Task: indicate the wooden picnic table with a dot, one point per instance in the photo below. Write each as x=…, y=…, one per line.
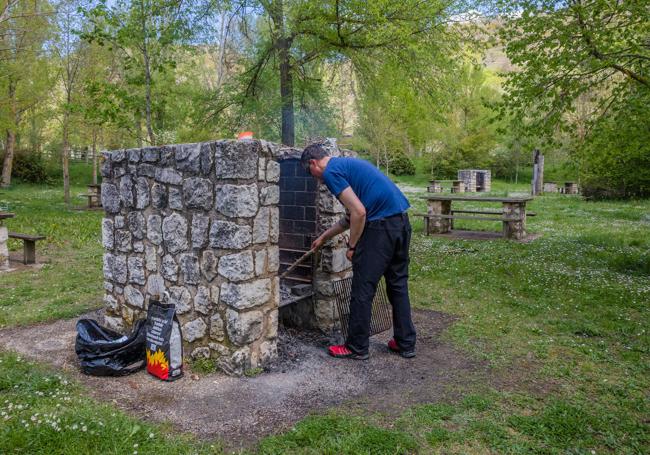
x=440, y=215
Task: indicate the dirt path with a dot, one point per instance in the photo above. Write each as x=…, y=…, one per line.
x=239, y=411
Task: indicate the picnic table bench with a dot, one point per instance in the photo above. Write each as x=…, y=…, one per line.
x=440, y=215
x=29, y=245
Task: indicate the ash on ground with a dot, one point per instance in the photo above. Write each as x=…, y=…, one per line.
x=295, y=344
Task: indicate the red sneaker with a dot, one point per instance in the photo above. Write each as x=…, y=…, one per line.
x=392, y=345
x=341, y=351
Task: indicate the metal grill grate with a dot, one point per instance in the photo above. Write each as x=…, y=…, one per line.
x=381, y=319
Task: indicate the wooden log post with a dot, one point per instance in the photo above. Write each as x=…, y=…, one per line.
x=538, y=173
x=514, y=224
x=438, y=225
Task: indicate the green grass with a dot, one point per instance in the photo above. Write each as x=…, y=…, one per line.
x=44, y=413
x=70, y=282
x=336, y=434
x=563, y=323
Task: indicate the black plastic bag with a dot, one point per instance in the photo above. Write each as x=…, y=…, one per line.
x=164, y=348
x=104, y=352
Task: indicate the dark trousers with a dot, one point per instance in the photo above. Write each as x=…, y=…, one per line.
x=382, y=250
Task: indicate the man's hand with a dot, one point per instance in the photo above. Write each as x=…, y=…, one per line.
x=349, y=254
x=318, y=242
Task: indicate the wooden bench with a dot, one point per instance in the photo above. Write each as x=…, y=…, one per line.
x=29, y=246
x=453, y=217
x=488, y=212
x=441, y=213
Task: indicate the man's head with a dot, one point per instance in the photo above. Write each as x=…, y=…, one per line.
x=314, y=159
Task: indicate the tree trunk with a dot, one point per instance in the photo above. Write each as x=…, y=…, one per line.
x=7, y=165
x=222, y=50
x=286, y=93
x=10, y=147
x=386, y=158
x=65, y=159
x=95, y=156
x=517, y=172
x=283, y=44
x=147, y=77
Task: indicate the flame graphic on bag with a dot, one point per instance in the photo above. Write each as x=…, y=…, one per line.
x=157, y=364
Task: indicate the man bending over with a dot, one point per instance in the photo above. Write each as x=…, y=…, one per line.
x=380, y=234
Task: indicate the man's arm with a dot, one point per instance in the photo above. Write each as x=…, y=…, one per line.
x=342, y=226
x=357, y=214
x=354, y=219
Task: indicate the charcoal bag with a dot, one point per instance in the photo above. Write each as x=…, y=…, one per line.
x=104, y=352
x=164, y=343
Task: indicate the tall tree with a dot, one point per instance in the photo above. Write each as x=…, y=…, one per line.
x=293, y=35
x=24, y=28
x=146, y=34
x=574, y=48
x=584, y=72
x=72, y=53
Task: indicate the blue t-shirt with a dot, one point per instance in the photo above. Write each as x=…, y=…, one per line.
x=378, y=194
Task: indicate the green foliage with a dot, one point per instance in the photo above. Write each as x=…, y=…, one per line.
x=399, y=164
x=400, y=102
x=615, y=161
x=297, y=39
x=203, y=365
x=567, y=50
x=468, y=137
x=144, y=36
x=583, y=79
x=30, y=167
x=252, y=372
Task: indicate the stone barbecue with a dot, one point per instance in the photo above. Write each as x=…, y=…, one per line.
x=476, y=180
x=208, y=227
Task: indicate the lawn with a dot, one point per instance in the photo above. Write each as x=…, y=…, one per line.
x=563, y=323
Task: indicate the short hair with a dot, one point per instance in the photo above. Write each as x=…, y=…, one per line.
x=315, y=151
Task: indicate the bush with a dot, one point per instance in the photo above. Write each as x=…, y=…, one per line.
x=29, y=167
x=615, y=162
x=400, y=164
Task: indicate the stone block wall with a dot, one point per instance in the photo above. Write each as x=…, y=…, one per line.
x=198, y=226
x=470, y=178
